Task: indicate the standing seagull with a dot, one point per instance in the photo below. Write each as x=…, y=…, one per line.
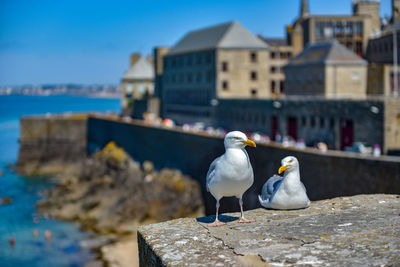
x=286, y=192
x=231, y=174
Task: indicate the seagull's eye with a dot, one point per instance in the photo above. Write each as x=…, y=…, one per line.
x=236, y=138
x=290, y=161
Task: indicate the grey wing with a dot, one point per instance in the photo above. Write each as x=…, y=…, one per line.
x=271, y=186
x=211, y=171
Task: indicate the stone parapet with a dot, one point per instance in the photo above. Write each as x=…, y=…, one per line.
x=347, y=231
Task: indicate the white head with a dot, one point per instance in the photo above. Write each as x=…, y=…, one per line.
x=237, y=139
x=289, y=164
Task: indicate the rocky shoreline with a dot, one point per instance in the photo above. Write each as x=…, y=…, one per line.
x=112, y=195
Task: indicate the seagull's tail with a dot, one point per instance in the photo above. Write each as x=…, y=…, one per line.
x=263, y=202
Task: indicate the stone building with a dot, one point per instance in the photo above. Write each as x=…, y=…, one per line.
x=337, y=122
x=137, y=82
x=380, y=55
x=326, y=69
x=223, y=61
x=280, y=53
x=353, y=31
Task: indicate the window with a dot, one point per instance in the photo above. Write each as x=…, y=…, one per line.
x=253, y=76
x=198, y=77
x=189, y=60
x=328, y=30
x=358, y=28
x=189, y=78
x=141, y=88
x=208, y=57
x=332, y=123
x=253, y=92
x=320, y=77
x=319, y=29
x=312, y=122
x=199, y=59
x=339, y=29
x=303, y=121
x=298, y=78
x=253, y=57
x=224, y=66
x=273, y=69
x=272, y=87
x=272, y=55
x=209, y=76
x=225, y=86
x=355, y=76
x=321, y=122
x=129, y=88
x=282, y=86
x=349, y=29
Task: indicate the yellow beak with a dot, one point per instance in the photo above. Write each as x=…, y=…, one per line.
x=249, y=142
x=283, y=168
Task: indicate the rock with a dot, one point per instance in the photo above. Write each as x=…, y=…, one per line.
x=6, y=200
x=108, y=194
x=94, y=243
x=148, y=167
x=121, y=254
x=345, y=231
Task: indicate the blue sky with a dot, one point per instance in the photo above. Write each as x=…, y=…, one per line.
x=78, y=41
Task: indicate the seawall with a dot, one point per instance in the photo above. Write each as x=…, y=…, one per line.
x=55, y=138
x=325, y=174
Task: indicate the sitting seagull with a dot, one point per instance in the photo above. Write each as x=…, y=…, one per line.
x=231, y=174
x=286, y=192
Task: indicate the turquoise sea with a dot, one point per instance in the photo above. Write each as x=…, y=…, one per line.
x=17, y=218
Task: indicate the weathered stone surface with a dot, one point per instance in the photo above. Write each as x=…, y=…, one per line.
x=363, y=230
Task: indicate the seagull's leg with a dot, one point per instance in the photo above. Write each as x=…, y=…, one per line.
x=242, y=218
x=216, y=223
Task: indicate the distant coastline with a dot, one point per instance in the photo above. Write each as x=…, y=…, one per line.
x=95, y=90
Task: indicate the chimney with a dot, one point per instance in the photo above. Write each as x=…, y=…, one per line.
x=395, y=10
x=134, y=58
x=304, y=12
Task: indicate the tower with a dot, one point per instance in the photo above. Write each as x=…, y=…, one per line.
x=304, y=12
x=395, y=10
x=368, y=8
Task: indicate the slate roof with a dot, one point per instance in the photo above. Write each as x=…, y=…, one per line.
x=329, y=53
x=274, y=41
x=227, y=35
x=141, y=70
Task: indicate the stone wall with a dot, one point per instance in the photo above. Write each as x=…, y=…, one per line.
x=317, y=120
x=46, y=139
x=350, y=231
x=346, y=80
x=325, y=175
x=237, y=75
